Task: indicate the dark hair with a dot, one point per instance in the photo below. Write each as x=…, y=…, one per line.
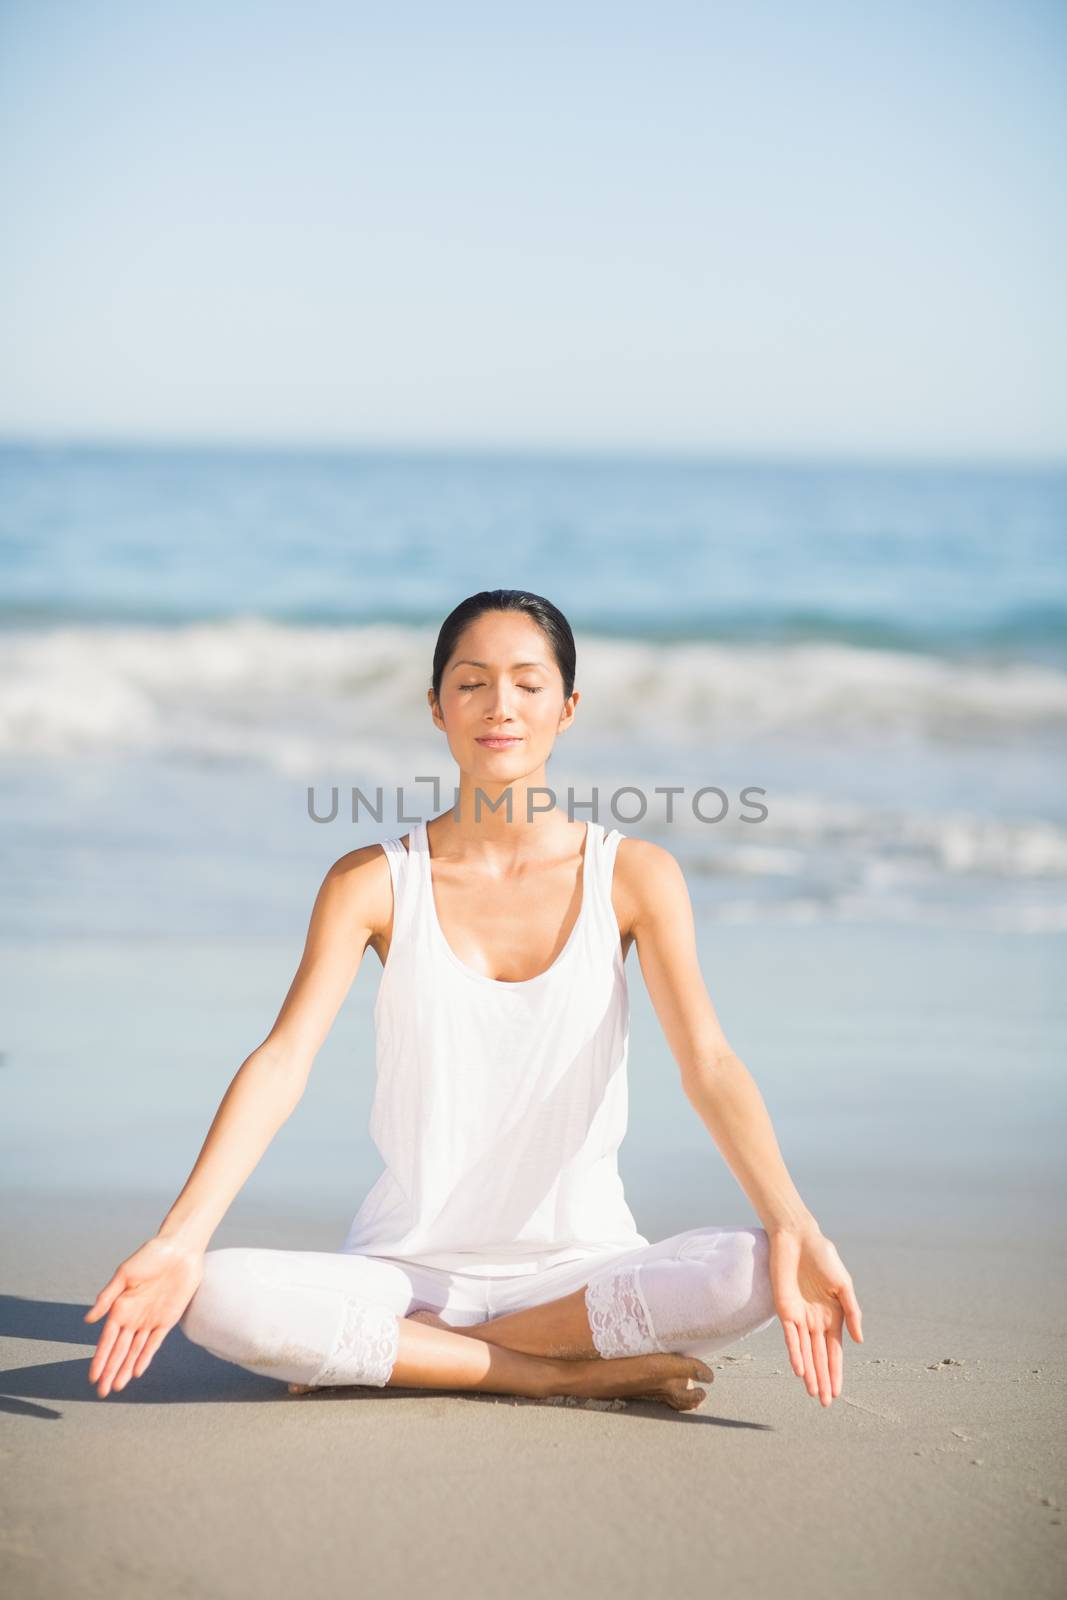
x=548, y=618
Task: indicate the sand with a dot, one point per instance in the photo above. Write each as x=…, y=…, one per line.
x=939, y=1470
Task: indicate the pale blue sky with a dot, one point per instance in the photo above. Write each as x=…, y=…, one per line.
x=792, y=228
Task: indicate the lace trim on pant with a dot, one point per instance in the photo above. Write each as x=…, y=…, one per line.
x=365, y=1349
x=618, y=1316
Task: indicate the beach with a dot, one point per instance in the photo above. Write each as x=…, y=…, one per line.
x=884, y=949
x=921, y=1115
x=939, y=1471
x=712, y=366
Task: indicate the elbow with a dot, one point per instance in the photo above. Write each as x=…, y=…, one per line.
x=287, y=1072
x=704, y=1070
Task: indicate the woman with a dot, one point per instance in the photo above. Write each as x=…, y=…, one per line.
x=496, y=1251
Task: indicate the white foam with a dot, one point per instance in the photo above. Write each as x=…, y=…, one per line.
x=249, y=687
x=298, y=699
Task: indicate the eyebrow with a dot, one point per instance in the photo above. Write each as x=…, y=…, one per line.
x=517, y=666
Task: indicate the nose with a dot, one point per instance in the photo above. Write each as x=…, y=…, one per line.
x=500, y=704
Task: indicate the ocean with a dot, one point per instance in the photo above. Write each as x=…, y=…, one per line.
x=192, y=640
x=198, y=647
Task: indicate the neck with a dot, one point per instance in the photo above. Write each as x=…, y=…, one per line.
x=503, y=813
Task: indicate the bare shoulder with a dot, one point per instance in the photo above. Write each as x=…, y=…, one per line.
x=649, y=882
x=353, y=860
x=358, y=887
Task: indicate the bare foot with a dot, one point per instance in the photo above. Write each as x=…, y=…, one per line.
x=300, y=1388
x=683, y=1394
x=667, y=1378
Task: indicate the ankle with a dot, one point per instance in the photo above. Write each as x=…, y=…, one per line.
x=561, y=1376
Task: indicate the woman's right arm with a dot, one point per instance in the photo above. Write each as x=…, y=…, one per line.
x=148, y=1293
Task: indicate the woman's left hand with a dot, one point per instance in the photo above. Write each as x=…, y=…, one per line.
x=813, y=1295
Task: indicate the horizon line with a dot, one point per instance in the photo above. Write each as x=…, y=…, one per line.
x=258, y=444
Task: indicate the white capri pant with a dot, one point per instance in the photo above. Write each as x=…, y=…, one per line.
x=330, y=1318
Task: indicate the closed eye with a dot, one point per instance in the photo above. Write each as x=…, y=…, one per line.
x=528, y=687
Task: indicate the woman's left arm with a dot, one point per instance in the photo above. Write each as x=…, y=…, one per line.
x=813, y=1291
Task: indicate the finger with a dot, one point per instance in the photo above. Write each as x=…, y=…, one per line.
x=822, y=1365
x=836, y=1359
x=792, y=1344
x=809, y=1363
x=853, y=1314
x=115, y=1360
x=106, y=1343
x=106, y=1298
x=125, y=1372
x=155, y=1339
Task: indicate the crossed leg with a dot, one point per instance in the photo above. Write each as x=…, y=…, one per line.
x=323, y=1319
x=694, y=1293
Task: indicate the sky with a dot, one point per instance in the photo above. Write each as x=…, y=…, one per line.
x=802, y=229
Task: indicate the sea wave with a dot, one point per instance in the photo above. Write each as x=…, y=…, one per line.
x=251, y=689
x=882, y=848
x=1034, y=631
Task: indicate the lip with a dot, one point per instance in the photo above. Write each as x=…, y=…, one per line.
x=503, y=742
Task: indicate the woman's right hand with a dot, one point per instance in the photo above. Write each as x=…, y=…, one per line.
x=145, y=1297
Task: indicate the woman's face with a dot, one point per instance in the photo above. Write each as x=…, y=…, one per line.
x=502, y=680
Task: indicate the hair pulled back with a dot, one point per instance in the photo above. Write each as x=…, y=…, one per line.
x=548, y=618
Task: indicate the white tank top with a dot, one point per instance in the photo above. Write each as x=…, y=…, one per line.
x=498, y=1107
